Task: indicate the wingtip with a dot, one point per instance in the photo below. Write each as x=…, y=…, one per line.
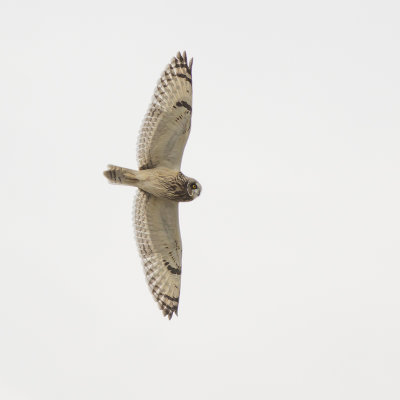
x=182, y=57
x=171, y=314
x=167, y=311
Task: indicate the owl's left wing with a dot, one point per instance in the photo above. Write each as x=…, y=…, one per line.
x=166, y=126
x=158, y=237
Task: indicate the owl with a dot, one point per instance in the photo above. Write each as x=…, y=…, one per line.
x=161, y=185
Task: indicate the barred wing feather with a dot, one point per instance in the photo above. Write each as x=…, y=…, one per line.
x=159, y=242
x=166, y=126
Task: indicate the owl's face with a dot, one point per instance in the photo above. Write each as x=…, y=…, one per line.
x=193, y=188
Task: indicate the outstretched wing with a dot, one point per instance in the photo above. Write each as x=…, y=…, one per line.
x=158, y=237
x=166, y=126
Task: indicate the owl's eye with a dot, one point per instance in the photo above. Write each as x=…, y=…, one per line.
x=194, y=186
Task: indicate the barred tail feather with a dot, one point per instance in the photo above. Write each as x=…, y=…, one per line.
x=121, y=176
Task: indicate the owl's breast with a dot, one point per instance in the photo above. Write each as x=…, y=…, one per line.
x=165, y=183
x=175, y=186
x=177, y=191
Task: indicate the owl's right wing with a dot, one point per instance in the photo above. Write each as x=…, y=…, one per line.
x=158, y=237
x=166, y=126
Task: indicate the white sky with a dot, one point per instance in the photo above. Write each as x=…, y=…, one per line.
x=290, y=285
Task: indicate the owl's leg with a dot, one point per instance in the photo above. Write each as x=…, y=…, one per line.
x=121, y=176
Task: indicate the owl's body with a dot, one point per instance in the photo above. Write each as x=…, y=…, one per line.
x=161, y=185
x=160, y=182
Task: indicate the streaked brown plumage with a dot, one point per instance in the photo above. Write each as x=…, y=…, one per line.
x=162, y=186
x=160, y=181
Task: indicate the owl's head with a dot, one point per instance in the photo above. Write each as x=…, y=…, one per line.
x=193, y=188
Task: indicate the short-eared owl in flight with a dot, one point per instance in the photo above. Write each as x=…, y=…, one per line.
x=161, y=185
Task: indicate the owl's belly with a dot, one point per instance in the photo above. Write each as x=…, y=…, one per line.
x=165, y=183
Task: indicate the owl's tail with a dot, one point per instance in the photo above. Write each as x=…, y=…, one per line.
x=121, y=176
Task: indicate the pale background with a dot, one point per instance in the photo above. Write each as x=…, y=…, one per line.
x=290, y=286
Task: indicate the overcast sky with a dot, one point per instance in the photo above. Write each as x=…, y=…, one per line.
x=290, y=285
